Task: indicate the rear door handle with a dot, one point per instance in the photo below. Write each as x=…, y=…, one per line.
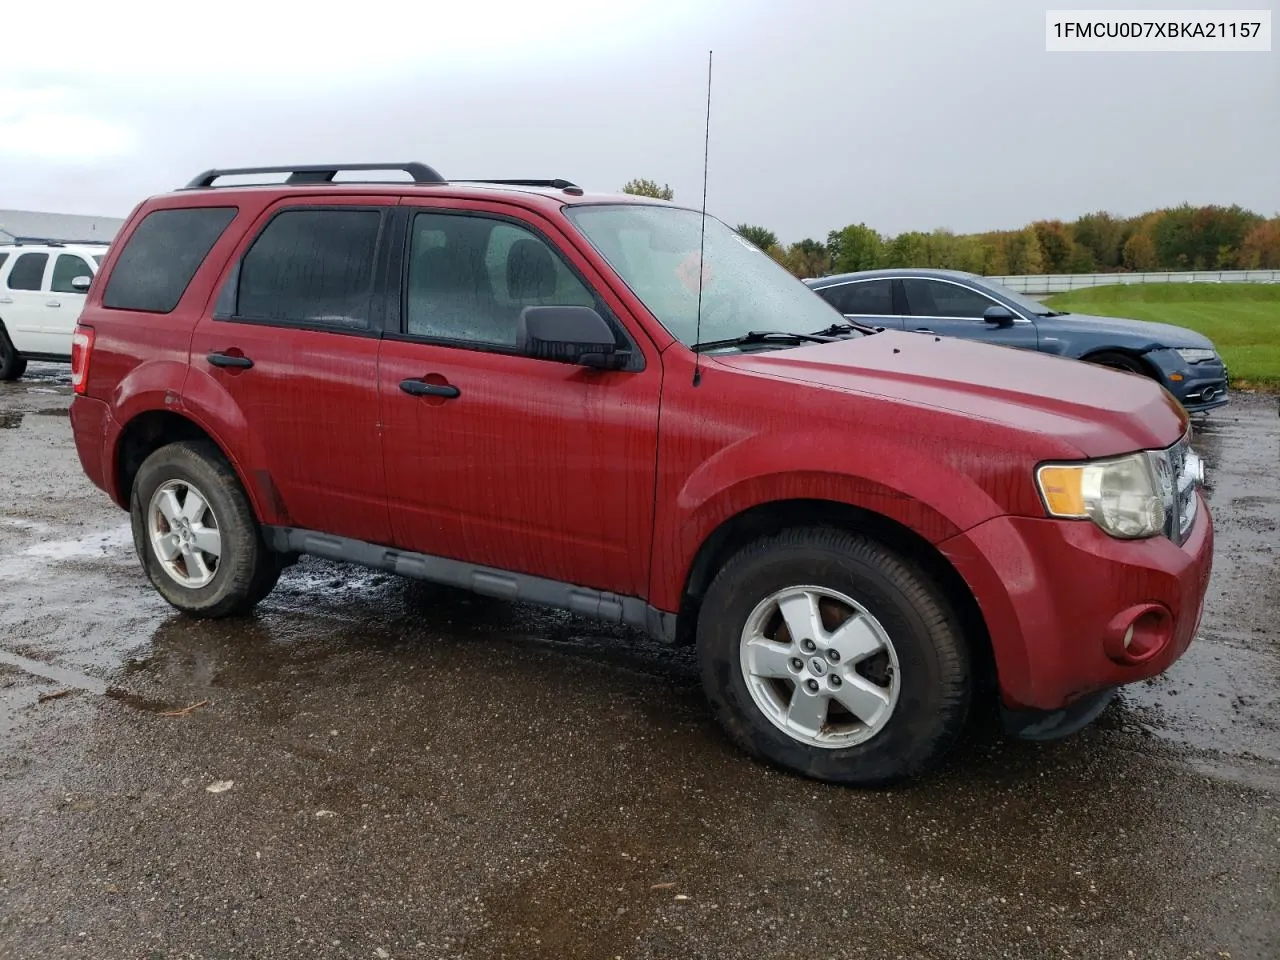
x=923, y=330
x=6, y=299
x=226, y=360
x=418, y=388
x=53, y=303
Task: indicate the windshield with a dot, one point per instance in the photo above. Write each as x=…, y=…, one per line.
x=655, y=250
x=1029, y=304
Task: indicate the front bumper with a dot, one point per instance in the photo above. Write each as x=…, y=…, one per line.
x=1057, y=595
x=1197, y=386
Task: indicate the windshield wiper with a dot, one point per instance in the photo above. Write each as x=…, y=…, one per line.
x=836, y=329
x=762, y=336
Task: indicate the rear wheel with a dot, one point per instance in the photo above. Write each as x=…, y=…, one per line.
x=828, y=654
x=12, y=364
x=196, y=535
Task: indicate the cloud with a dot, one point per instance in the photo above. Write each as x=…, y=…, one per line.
x=47, y=124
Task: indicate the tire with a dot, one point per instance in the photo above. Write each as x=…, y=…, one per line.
x=12, y=364
x=244, y=569
x=921, y=673
x=1120, y=361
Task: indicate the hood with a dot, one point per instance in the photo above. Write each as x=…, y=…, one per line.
x=1137, y=333
x=1092, y=410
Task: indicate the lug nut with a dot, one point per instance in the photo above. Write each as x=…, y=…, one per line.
x=808, y=646
x=835, y=680
x=812, y=685
x=797, y=664
x=833, y=656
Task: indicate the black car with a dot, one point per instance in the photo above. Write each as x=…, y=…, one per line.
x=955, y=304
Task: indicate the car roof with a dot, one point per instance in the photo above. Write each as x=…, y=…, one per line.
x=529, y=194
x=93, y=248
x=893, y=272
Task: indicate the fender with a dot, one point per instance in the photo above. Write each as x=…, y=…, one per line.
x=909, y=485
x=200, y=399
x=153, y=385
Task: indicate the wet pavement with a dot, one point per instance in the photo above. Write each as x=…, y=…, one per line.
x=418, y=773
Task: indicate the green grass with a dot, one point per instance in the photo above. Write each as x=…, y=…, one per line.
x=1242, y=319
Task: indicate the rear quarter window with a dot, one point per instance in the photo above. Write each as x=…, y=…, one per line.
x=162, y=255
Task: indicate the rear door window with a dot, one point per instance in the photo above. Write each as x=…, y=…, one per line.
x=868, y=298
x=310, y=267
x=28, y=271
x=162, y=255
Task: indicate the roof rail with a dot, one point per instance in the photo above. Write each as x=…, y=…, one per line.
x=53, y=242
x=565, y=185
x=318, y=173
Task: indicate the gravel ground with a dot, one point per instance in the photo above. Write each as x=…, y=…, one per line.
x=416, y=773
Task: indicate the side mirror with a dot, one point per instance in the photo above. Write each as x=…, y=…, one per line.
x=998, y=316
x=81, y=283
x=576, y=335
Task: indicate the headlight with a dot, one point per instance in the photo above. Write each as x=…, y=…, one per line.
x=1196, y=354
x=1121, y=496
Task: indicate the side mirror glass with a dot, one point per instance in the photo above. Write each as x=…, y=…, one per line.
x=81, y=283
x=999, y=316
x=576, y=335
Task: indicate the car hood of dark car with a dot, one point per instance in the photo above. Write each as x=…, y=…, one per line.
x=1097, y=411
x=1121, y=331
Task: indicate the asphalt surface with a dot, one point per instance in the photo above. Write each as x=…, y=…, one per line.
x=416, y=773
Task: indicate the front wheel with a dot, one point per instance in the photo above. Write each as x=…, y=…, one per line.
x=196, y=535
x=1119, y=361
x=828, y=654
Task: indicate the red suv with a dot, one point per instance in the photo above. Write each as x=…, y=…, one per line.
x=617, y=406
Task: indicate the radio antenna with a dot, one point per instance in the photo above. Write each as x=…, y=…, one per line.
x=702, y=239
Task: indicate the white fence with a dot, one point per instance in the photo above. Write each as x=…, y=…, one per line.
x=1060, y=282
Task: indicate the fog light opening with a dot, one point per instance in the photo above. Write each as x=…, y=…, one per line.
x=1139, y=634
x=1145, y=636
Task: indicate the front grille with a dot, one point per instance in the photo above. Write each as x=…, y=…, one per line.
x=1178, y=471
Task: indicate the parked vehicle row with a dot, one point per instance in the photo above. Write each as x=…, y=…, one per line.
x=618, y=406
x=955, y=304
x=42, y=290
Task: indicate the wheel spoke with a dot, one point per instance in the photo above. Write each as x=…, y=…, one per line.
x=768, y=659
x=856, y=640
x=193, y=506
x=862, y=698
x=807, y=711
x=208, y=540
x=170, y=509
x=167, y=546
x=197, y=569
x=800, y=611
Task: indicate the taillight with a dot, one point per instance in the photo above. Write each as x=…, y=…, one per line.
x=81, y=348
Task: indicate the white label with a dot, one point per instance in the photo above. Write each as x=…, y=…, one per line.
x=1158, y=31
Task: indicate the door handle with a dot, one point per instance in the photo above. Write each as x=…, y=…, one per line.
x=53, y=303
x=923, y=330
x=418, y=388
x=6, y=299
x=227, y=360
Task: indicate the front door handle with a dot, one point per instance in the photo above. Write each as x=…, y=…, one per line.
x=227, y=360
x=418, y=388
x=6, y=299
x=923, y=330
x=53, y=303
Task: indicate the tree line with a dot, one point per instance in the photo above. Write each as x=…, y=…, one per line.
x=1174, y=238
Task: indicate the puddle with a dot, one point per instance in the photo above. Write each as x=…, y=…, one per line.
x=10, y=419
x=26, y=564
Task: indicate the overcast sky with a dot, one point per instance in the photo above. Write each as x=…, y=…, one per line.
x=905, y=114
